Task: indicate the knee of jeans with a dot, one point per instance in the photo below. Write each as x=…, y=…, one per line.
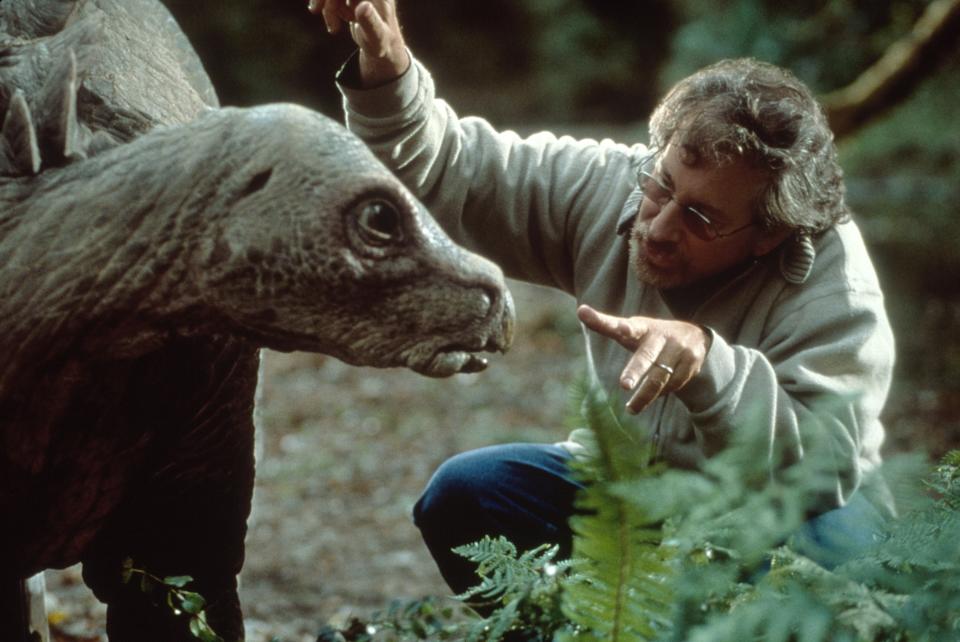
x=452, y=490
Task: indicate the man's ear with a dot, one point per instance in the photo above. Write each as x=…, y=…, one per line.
x=769, y=240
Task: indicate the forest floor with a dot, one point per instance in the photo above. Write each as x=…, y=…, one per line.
x=346, y=451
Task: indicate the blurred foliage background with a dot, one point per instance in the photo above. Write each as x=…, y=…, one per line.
x=596, y=67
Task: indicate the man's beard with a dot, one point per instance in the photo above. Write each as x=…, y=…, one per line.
x=678, y=275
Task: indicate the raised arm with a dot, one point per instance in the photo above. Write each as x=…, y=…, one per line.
x=536, y=206
x=375, y=29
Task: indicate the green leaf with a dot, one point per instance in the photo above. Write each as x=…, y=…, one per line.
x=178, y=581
x=202, y=631
x=191, y=602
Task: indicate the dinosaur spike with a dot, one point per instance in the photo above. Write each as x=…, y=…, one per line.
x=21, y=154
x=59, y=131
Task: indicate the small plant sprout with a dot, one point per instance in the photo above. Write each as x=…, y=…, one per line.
x=172, y=591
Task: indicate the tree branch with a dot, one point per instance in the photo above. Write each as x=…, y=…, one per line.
x=898, y=72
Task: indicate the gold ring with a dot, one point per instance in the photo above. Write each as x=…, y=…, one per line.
x=665, y=368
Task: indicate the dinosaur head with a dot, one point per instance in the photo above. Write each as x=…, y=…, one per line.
x=171, y=215
x=318, y=247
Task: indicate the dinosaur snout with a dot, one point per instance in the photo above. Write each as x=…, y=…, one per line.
x=500, y=318
x=502, y=337
x=480, y=305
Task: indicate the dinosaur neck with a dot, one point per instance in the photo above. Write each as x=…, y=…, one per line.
x=106, y=247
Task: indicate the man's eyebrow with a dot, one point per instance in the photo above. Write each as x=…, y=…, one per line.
x=711, y=212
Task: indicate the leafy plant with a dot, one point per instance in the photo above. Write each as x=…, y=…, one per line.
x=171, y=590
x=429, y=618
x=625, y=589
x=520, y=590
x=524, y=587
x=706, y=556
x=730, y=568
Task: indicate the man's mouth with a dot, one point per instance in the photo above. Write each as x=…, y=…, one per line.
x=661, y=256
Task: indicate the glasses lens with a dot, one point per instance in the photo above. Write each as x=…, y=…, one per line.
x=653, y=189
x=645, y=182
x=698, y=225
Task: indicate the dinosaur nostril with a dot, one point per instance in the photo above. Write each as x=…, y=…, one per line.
x=486, y=302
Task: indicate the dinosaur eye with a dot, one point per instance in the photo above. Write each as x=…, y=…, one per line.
x=379, y=222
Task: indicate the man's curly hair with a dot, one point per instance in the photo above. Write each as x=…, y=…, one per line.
x=751, y=110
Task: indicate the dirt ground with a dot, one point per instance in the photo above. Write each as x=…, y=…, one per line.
x=345, y=454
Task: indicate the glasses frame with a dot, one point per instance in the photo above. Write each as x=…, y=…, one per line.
x=701, y=220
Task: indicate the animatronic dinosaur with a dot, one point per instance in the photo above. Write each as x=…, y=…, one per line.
x=150, y=244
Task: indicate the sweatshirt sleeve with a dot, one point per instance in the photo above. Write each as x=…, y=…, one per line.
x=528, y=204
x=815, y=387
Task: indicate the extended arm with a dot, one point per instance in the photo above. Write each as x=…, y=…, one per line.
x=795, y=372
x=533, y=205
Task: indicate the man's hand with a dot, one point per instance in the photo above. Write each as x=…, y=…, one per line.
x=666, y=354
x=374, y=27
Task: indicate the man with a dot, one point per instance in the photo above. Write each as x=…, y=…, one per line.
x=718, y=274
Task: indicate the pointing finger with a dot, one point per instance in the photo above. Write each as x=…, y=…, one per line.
x=627, y=333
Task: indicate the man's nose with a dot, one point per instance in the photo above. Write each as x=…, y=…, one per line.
x=666, y=223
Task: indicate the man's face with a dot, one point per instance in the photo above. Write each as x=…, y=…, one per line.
x=663, y=250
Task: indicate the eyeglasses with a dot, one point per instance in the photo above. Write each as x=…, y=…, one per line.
x=698, y=223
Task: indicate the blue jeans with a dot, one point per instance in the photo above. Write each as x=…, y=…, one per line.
x=525, y=492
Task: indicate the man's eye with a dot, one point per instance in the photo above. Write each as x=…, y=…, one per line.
x=700, y=215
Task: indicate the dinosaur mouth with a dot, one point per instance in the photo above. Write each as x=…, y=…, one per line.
x=450, y=362
x=463, y=357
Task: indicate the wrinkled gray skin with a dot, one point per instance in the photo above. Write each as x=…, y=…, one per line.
x=150, y=244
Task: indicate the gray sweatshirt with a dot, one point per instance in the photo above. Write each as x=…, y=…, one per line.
x=799, y=351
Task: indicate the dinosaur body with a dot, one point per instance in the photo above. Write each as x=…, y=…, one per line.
x=150, y=244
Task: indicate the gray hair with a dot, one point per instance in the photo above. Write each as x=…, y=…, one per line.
x=761, y=113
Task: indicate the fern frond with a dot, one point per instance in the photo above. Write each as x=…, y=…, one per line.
x=902, y=588
x=912, y=572
x=945, y=481
x=504, y=573
x=787, y=616
x=524, y=587
x=625, y=592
